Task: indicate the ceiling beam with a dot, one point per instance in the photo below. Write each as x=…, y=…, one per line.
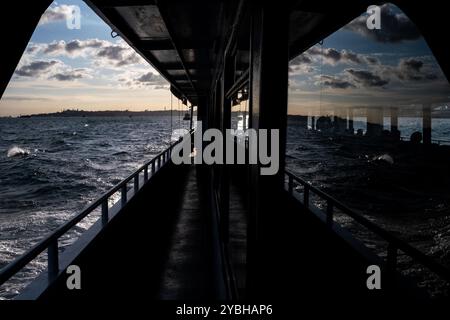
x=178, y=66
x=164, y=16
x=167, y=44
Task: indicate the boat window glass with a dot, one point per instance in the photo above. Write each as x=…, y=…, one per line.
x=369, y=123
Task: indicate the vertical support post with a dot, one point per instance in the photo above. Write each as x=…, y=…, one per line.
x=146, y=174
x=136, y=183
x=224, y=107
x=124, y=195
x=105, y=217
x=306, y=195
x=351, y=128
x=374, y=121
x=394, y=119
x=192, y=118
x=268, y=88
x=153, y=167
x=426, y=124
x=395, y=133
x=313, y=123
x=53, y=259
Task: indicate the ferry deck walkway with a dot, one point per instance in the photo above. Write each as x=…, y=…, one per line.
x=160, y=245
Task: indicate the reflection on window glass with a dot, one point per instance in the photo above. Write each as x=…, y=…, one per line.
x=369, y=123
x=239, y=111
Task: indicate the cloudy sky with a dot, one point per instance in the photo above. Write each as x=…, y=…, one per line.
x=85, y=69
x=358, y=67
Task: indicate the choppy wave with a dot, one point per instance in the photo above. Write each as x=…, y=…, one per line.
x=17, y=152
x=69, y=163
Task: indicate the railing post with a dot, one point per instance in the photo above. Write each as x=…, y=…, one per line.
x=146, y=173
x=124, y=194
x=136, y=183
x=105, y=217
x=329, y=212
x=153, y=167
x=291, y=184
x=53, y=259
x=306, y=195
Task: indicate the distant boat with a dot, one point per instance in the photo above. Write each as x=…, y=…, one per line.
x=187, y=116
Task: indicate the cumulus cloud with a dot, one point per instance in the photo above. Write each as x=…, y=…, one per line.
x=304, y=62
x=51, y=69
x=334, y=82
x=118, y=55
x=71, y=75
x=73, y=48
x=407, y=69
x=102, y=53
x=98, y=55
x=36, y=68
x=67, y=76
x=135, y=80
x=56, y=14
x=395, y=27
x=150, y=78
x=412, y=69
x=366, y=78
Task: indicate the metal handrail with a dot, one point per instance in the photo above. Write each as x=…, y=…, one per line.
x=394, y=243
x=50, y=242
x=437, y=141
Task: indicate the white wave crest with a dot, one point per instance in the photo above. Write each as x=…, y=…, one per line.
x=17, y=151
